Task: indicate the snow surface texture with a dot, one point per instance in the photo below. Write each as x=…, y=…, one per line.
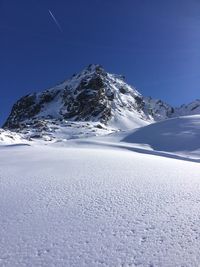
x=89, y=206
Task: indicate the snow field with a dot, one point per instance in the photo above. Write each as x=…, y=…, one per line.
x=90, y=206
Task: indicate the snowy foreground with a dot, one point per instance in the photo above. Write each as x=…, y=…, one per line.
x=93, y=205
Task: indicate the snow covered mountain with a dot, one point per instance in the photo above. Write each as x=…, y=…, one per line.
x=92, y=95
x=192, y=108
x=92, y=102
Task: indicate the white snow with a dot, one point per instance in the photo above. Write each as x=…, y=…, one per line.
x=7, y=137
x=99, y=202
x=180, y=136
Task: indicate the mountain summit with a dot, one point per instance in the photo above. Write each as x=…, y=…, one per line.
x=92, y=95
x=91, y=98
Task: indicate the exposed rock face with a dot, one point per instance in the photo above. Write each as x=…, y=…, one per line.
x=26, y=108
x=88, y=100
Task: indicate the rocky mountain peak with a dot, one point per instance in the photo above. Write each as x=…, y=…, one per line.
x=91, y=99
x=91, y=95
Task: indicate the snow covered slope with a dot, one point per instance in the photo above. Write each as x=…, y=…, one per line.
x=179, y=135
x=8, y=137
x=89, y=206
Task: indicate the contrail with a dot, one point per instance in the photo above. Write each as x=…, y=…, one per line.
x=55, y=20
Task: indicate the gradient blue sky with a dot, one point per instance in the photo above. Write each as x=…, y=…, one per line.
x=154, y=43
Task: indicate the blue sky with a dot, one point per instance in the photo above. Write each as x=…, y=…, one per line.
x=155, y=44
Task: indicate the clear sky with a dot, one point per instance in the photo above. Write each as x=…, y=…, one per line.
x=154, y=43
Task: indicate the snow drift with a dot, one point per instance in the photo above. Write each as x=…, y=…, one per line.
x=181, y=135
